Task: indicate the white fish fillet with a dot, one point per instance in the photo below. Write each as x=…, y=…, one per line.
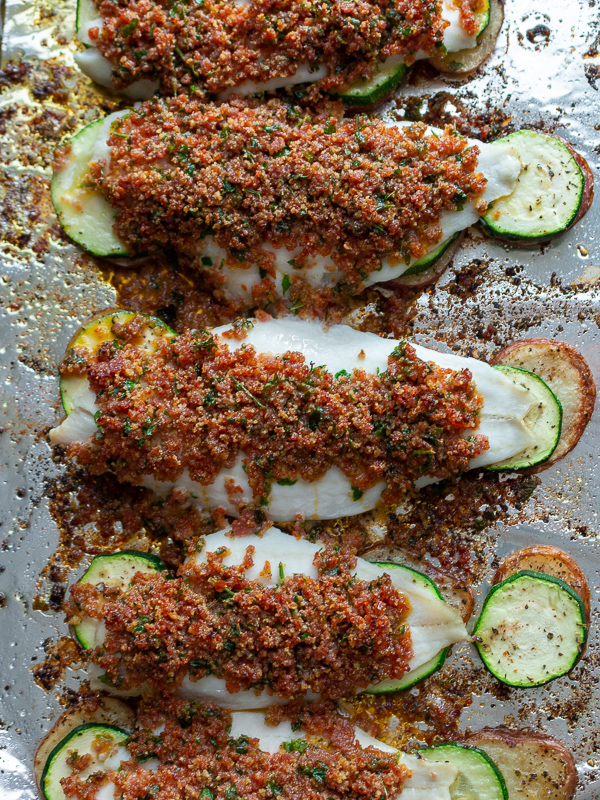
x=502, y=418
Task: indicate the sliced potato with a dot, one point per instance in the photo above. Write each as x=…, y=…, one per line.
x=534, y=767
x=465, y=62
x=109, y=711
x=551, y=561
x=566, y=372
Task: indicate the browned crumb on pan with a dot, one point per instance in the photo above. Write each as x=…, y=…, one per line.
x=446, y=521
x=445, y=108
x=59, y=655
x=179, y=296
x=430, y=712
x=99, y=515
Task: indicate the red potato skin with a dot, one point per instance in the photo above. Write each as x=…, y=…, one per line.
x=574, y=577
x=514, y=738
x=439, y=576
x=569, y=438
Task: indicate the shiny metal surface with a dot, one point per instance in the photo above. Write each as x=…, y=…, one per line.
x=548, y=76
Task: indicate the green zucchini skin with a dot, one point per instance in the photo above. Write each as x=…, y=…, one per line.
x=411, y=678
x=115, y=569
x=93, y=334
x=549, y=193
x=366, y=94
x=425, y=670
x=418, y=577
x=548, y=425
x=478, y=776
x=518, y=633
x=85, y=216
x=428, y=260
x=52, y=773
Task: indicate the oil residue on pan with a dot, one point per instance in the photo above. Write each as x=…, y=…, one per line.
x=543, y=75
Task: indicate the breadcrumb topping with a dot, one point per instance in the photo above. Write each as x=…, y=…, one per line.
x=198, y=758
x=331, y=635
x=212, y=45
x=261, y=177
x=194, y=404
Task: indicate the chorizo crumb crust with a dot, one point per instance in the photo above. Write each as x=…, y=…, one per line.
x=194, y=404
x=213, y=45
x=331, y=635
x=259, y=177
x=199, y=759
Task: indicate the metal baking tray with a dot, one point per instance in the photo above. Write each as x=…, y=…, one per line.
x=545, y=73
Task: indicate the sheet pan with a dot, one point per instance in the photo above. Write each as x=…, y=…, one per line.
x=545, y=72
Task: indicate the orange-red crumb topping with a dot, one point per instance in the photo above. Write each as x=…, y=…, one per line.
x=193, y=404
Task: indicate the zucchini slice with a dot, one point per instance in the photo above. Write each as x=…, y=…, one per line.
x=83, y=740
x=431, y=272
x=478, y=776
x=482, y=17
x=411, y=678
x=551, y=561
x=544, y=419
x=567, y=373
x=116, y=569
x=92, y=335
x=391, y=72
x=429, y=259
x=548, y=195
x=425, y=670
x=532, y=629
x=86, y=217
x=100, y=329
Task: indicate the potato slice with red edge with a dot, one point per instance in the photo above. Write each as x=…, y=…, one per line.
x=567, y=374
x=551, y=561
x=534, y=767
x=466, y=62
